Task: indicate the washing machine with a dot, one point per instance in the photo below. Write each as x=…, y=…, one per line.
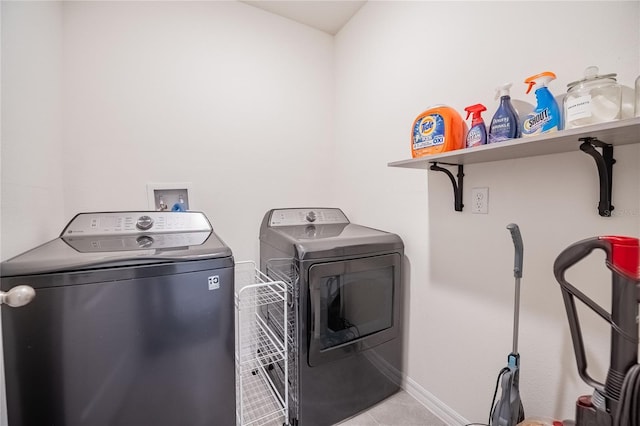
x=129, y=321
x=346, y=309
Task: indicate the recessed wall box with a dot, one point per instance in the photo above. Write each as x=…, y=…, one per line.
x=169, y=196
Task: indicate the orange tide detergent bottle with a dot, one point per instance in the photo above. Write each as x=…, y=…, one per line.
x=438, y=129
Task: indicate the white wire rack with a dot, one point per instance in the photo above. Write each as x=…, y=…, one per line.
x=259, y=347
x=285, y=270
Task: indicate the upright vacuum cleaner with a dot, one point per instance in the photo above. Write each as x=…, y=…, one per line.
x=508, y=411
x=617, y=401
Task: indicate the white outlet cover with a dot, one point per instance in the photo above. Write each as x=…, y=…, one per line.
x=480, y=200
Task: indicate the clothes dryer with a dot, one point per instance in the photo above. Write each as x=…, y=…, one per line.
x=132, y=323
x=346, y=303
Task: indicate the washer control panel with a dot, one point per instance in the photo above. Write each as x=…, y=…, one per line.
x=109, y=243
x=127, y=223
x=306, y=216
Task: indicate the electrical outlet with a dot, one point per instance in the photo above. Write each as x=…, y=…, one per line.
x=480, y=200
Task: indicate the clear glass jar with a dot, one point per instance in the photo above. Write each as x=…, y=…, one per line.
x=594, y=99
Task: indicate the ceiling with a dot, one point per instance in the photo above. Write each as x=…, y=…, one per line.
x=325, y=15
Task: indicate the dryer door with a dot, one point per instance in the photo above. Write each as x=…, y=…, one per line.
x=353, y=306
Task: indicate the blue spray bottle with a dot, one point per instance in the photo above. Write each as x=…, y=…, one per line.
x=546, y=115
x=477, y=135
x=504, y=124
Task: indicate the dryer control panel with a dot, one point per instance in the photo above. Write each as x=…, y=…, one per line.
x=306, y=216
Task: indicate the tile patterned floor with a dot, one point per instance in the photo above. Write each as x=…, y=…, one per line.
x=400, y=409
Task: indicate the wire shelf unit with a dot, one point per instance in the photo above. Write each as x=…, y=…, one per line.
x=283, y=270
x=260, y=347
x=286, y=270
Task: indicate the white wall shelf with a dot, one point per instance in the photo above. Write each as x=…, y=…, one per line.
x=621, y=132
x=586, y=139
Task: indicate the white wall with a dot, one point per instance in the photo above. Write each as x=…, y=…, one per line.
x=394, y=60
x=234, y=100
x=31, y=147
x=230, y=98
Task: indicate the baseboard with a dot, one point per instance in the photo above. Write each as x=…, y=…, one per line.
x=437, y=407
x=423, y=396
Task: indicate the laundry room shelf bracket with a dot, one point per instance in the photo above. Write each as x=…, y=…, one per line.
x=457, y=185
x=588, y=139
x=604, y=162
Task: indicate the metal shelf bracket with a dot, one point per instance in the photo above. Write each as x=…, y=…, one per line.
x=605, y=163
x=457, y=186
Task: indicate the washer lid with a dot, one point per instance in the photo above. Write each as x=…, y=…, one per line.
x=102, y=240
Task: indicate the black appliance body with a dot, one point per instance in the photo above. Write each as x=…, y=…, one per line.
x=132, y=323
x=346, y=281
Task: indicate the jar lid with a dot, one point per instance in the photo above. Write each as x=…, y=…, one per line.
x=591, y=74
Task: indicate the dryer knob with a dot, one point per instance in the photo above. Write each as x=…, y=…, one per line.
x=144, y=223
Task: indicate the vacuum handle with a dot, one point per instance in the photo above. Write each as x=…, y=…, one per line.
x=569, y=257
x=578, y=251
x=517, y=242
